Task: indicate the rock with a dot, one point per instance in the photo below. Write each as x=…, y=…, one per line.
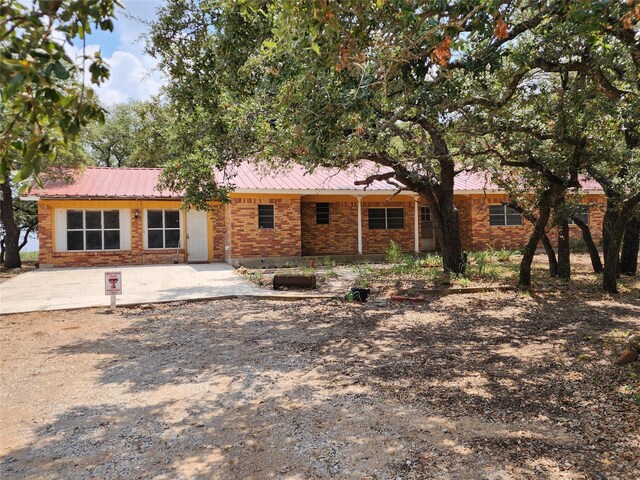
x=17, y=270
x=634, y=342
x=146, y=306
x=627, y=356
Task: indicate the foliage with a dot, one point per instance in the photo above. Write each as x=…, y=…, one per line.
x=44, y=99
x=134, y=134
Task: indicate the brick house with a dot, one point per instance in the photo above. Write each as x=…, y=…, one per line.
x=109, y=216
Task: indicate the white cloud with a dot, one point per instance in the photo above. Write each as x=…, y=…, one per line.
x=132, y=77
x=133, y=73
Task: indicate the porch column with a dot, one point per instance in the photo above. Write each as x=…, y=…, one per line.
x=416, y=225
x=359, y=225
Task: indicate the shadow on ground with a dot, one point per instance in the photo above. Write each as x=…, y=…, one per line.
x=481, y=386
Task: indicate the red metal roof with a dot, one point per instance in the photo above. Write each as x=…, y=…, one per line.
x=101, y=182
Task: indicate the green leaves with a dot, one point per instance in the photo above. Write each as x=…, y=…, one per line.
x=42, y=98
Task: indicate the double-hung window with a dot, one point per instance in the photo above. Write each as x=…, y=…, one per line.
x=503, y=215
x=93, y=229
x=322, y=213
x=386, y=218
x=582, y=213
x=163, y=229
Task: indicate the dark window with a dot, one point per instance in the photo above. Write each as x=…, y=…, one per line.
x=266, y=218
x=75, y=240
x=582, y=213
x=502, y=215
x=322, y=213
x=163, y=229
x=93, y=229
x=377, y=219
x=386, y=218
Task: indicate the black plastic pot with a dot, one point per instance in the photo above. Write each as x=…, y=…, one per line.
x=360, y=294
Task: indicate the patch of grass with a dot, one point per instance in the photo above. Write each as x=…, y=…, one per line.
x=330, y=273
x=577, y=245
x=255, y=277
x=328, y=262
x=29, y=256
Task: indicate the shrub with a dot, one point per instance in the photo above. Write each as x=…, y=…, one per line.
x=394, y=253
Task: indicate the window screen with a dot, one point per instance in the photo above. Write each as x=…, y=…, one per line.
x=502, y=215
x=266, y=218
x=322, y=213
x=386, y=218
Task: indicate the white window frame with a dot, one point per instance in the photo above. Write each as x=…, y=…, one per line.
x=145, y=230
x=60, y=229
x=504, y=216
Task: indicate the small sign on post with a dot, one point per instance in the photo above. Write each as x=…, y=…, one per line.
x=113, y=286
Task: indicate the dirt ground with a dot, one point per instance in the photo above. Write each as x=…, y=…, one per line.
x=484, y=386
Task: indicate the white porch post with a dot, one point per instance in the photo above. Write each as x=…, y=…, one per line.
x=359, y=225
x=416, y=225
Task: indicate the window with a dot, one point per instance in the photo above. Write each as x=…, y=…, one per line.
x=93, y=230
x=163, y=229
x=322, y=213
x=582, y=213
x=425, y=214
x=386, y=218
x=503, y=215
x=266, y=217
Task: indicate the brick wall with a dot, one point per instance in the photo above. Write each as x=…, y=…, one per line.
x=219, y=232
x=377, y=241
x=339, y=237
x=45, y=234
x=103, y=258
x=484, y=235
x=246, y=240
x=464, y=206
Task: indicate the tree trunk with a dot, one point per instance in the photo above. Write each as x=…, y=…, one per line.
x=454, y=261
x=564, y=251
x=12, y=232
x=445, y=218
x=536, y=235
x=613, y=228
x=551, y=255
x=591, y=246
x=630, y=246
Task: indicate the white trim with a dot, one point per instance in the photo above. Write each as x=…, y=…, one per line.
x=60, y=226
x=416, y=227
x=349, y=192
x=359, y=199
x=125, y=229
x=145, y=229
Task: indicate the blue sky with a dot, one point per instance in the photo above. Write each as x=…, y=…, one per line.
x=133, y=73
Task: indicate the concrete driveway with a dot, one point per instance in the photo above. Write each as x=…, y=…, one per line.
x=66, y=288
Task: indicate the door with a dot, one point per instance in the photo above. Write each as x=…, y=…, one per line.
x=426, y=239
x=197, y=242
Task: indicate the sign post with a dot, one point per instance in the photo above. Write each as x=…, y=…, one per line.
x=113, y=286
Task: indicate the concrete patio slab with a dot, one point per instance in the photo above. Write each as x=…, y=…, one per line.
x=69, y=288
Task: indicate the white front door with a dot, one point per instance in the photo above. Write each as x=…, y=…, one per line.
x=197, y=242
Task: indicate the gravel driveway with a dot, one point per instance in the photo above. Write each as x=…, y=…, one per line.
x=474, y=386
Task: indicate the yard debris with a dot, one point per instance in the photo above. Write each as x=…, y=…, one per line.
x=485, y=385
x=631, y=353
